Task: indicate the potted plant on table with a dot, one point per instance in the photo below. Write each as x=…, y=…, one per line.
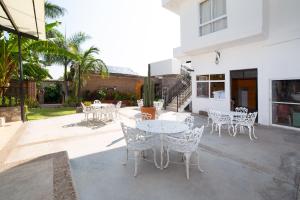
x=148, y=96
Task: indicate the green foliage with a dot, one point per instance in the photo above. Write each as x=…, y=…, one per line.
x=53, y=94
x=31, y=103
x=87, y=103
x=148, y=96
x=43, y=113
x=72, y=101
x=102, y=94
x=9, y=101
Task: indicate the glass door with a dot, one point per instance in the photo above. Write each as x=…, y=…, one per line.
x=286, y=102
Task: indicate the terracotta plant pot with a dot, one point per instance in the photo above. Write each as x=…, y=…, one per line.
x=149, y=110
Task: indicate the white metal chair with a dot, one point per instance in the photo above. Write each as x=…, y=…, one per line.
x=158, y=106
x=187, y=145
x=138, y=141
x=140, y=103
x=117, y=110
x=248, y=121
x=144, y=116
x=241, y=109
x=87, y=110
x=219, y=119
x=189, y=121
x=97, y=102
x=208, y=117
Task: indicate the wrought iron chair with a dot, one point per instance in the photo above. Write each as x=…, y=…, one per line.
x=241, y=109
x=248, y=121
x=117, y=110
x=138, y=141
x=140, y=103
x=87, y=110
x=219, y=119
x=189, y=121
x=187, y=145
x=97, y=102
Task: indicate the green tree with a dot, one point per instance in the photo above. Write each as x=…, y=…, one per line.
x=87, y=63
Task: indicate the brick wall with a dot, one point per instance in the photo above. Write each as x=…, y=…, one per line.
x=122, y=83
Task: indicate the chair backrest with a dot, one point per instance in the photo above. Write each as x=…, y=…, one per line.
x=97, y=102
x=140, y=103
x=241, y=109
x=250, y=118
x=146, y=116
x=119, y=104
x=83, y=106
x=131, y=135
x=190, y=121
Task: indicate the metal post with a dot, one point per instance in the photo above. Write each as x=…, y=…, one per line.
x=79, y=73
x=21, y=78
x=177, y=102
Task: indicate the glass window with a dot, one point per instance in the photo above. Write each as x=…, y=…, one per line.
x=286, y=91
x=211, y=86
x=217, y=77
x=212, y=16
x=202, y=77
x=202, y=89
x=286, y=102
x=217, y=90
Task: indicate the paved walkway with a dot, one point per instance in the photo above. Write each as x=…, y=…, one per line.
x=235, y=167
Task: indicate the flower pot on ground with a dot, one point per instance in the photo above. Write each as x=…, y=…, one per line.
x=148, y=96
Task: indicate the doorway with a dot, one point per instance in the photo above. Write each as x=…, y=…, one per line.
x=244, y=89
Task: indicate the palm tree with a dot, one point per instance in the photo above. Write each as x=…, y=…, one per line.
x=86, y=64
x=53, y=11
x=71, y=45
x=32, y=50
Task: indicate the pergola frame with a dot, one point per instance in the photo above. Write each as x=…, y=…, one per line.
x=20, y=34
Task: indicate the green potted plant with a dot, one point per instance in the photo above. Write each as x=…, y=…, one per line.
x=148, y=95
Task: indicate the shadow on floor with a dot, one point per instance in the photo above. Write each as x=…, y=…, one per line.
x=93, y=124
x=102, y=174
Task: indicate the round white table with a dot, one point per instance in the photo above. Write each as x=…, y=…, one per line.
x=100, y=105
x=162, y=127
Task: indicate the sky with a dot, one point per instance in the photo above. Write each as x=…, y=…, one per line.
x=129, y=33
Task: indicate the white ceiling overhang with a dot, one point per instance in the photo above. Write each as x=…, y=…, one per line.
x=25, y=17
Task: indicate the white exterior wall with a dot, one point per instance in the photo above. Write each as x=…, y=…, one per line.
x=165, y=67
x=269, y=41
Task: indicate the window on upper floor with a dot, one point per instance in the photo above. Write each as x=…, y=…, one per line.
x=212, y=16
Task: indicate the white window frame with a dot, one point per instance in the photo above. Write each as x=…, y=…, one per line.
x=212, y=19
x=209, y=85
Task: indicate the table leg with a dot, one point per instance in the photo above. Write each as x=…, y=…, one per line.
x=161, y=151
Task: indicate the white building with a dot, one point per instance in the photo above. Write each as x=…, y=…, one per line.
x=244, y=53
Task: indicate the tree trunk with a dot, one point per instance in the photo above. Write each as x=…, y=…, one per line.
x=66, y=83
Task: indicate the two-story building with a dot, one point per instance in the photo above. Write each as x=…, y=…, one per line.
x=244, y=53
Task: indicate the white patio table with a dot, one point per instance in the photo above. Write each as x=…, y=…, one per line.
x=100, y=105
x=162, y=127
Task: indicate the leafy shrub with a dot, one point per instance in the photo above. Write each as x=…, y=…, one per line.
x=53, y=93
x=31, y=103
x=72, y=101
x=87, y=103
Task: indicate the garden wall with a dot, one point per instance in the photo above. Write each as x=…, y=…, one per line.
x=121, y=82
x=11, y=114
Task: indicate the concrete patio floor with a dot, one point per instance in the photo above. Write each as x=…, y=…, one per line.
x=235, y=167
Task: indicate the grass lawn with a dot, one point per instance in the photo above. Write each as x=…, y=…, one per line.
x=43, y=113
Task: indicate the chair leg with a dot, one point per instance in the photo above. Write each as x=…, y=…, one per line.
x=219, y=126
x=229, y=126
x=168, y=158
x=212, y=128
x=154, y=158
x=235, y=130
x=187, y=164
x=207, y=122
x=249, y=127
x=198, y=160
x=136, y=162
x=125, y=163
x=254, y=133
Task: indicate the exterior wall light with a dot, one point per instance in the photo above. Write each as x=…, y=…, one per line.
x=218, y=56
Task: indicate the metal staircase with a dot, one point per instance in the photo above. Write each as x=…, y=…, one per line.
x=178, y=97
